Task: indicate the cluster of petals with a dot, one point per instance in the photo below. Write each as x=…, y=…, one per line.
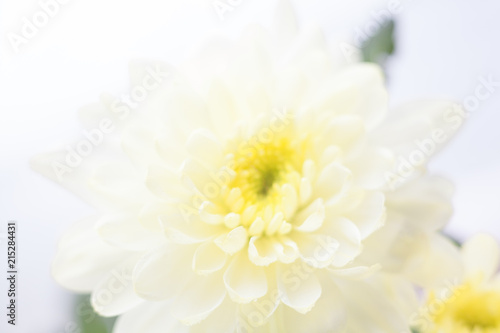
x=249, y=193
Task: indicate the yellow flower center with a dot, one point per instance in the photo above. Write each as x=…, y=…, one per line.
x=266, y=172
x=471, y=309
x=261, y=170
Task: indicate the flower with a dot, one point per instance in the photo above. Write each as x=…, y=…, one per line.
x=248, y=193
x=473, y=305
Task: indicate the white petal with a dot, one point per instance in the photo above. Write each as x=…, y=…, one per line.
x=286, y=249
x=316, y=249
x=258, y=101
x=434, y=259
x=54, y=166
x=370, y=167
x=115, y=294
x=369, y=302
x=208, y=258
x=211, y=213
x=285, y=23
x=344, y=131
x=83, y=259
x=305, y=190
x=357, y=272
x=151, y=317
x=125, y=231
x=138, y=142
x=204, y=146
x=261, y=250
x=289, y=201
x=222, y=320
x=187, y=110
x=195, y=174
x=425, y=203
x=244, y=281
x=332, y=181
x=163, y=272
x=149, y=216
x=311, y=218
x=221, y=108
x=413, y=127
x=310, y=55
x=357, y=89
x=232, y=241
x=481, y=256
x=328, y=315
x=290, y=88
x=168, y=148
x=300, y=293
x=348, y=237
x=121, y=185
x=164, y=183
x=368, y=80
x=257, y=313
x=369, y=215
x=199, y=298
x=182, y=225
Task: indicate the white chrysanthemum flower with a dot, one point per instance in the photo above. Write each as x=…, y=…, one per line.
x=473, y=304
x=253, y=195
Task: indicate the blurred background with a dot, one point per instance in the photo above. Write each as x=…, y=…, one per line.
x=442, y=49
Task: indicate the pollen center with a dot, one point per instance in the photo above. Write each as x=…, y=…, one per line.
x=261, y=169
x=265, y=172
x=470, y=310
x=480, y=310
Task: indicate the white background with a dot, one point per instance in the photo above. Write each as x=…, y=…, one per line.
x=442, y=48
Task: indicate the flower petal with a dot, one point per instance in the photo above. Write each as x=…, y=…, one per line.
x=115, y=294
x=370, y=167
x=481, y=255
x=208, y=258
x=369, y=215
x=162, y=272
x=232, y=241
x=328, y=314
x=204, y=146
x=151, y=317
x=311, y=218
x=261, y=250
x=285, y=23
x=198, y=299
x=221, y=108
x=125, y=231
x=317, y=250
x=332, y=181
x=164, y=183
x=224, y=319
x=83, y=259
x=121, y=185
x=244, y=281
x=356, y=272
x=344, y=131
x=348, y=237
x=356, y=89
x=299, y=292
x=182, y=225
x=425, y=203
x=257, y=313
x=411, y=126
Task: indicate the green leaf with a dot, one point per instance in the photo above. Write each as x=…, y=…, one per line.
x=381, y=45
x=452, y=239
x=87, y=320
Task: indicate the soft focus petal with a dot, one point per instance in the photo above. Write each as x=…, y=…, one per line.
x=481, y=256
